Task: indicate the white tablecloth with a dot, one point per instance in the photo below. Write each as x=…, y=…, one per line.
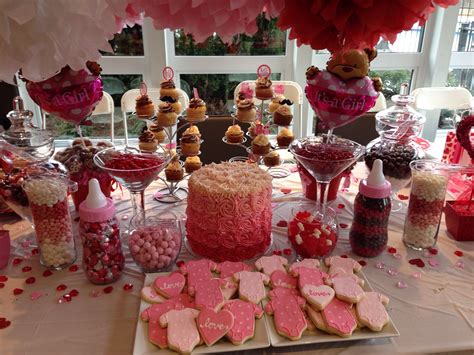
x=435, y=313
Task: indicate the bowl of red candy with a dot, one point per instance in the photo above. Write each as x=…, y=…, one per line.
x=312, y=233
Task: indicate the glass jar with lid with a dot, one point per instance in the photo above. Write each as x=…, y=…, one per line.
x=398, y=127
x=37, y=142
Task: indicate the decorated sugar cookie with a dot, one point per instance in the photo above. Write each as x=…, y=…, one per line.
x=317, y=319
x=251, y=285
x=229, y=268
x=307, y=263
x=214, y=325
x=290, y=321
x=149, y=295
x=208, y=294
x=182, y=332
x=339, y=318
x=244, y=320
x=228, y=287
x=318, y=296
x=341, y=266
x=308, y=276
x=197, y=271
x=282, y=279
x=268, y=264
x=371, y=311
x=169, y=286
x=346, y=288
x=280, y=291
x=311, y=327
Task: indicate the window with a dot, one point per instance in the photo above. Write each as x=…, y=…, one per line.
x=407, y=41
x=128, y=43
x=392, y=80
x=464, y=35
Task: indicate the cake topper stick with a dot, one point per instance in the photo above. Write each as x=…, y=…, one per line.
x=195, y=93
x=168, y=73
x=143, y=88
x=264, y=71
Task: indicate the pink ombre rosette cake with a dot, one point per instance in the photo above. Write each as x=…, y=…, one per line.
x=229, y=211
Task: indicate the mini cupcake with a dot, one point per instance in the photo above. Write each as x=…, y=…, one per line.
x=275, y=103
x=147, y=142
x=246, y=111
x=196, y=110
x=168, y=89
x=82, y=141
x=144, y=107
x=263, y=88
x=234, y=134
x=285, y=137
x=192, y=130
x=166, y=115
x=192, y=164
x=174, y=171
x=158, y=131
x=177, y=107
x=255, y=128
x=282, y=116
x=261, y=145
x=191, y=141
x=272, y=159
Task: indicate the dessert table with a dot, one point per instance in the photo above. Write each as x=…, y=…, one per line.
x=432, y=306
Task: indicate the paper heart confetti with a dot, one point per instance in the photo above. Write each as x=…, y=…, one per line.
x=214, y=325
x=170, y=286
x=318, y=296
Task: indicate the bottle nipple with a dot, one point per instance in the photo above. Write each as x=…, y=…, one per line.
x=95, y=198
x=376, y=177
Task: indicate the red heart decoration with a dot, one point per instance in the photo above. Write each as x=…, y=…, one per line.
x=463, y=134
x=170, y=286
x=214, y=325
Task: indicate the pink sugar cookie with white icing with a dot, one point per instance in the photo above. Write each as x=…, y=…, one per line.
x=280, y=292
x=149, y=295
x=182, y=332
x=339, y=318
x=252, y=285
x=346, y=288
x=214, y=325
x=244, y=320
x=269, y=264
x=318, y=296
x=186, y=300
x=197, y=271
x=307, y=263
x=342, y=266
x=156, y=334
x=308, y=276
x=288, y=316
x=229, y=287
x=208, y=294
x=229, y=268
x=169, y=286
x=281, y=279
x=371, y=311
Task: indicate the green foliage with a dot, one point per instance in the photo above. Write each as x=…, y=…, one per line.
x=391, y=80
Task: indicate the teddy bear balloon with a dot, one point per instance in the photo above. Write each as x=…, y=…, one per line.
x=343, y=92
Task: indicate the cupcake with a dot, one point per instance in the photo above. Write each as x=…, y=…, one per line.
x=263, y=88
x=147, y=142
x=246, y=111
x=144, y=107
x=82, y=141
x=166, y=115
x=255, y=129
x=192, y=163
x=275, y=103
x=282, y=116
x=196, y=110
x=272, y=159
x=285, y=137
x=174, y=171
x=168, y=89
x=158, y=131
x=234, y=134
x=190, y=141
x=260, y=145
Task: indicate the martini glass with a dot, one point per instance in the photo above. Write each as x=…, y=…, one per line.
x=133, y=169
x=325, y=157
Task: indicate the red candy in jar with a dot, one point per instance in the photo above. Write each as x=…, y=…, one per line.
x=312, y=233
x=103, y=259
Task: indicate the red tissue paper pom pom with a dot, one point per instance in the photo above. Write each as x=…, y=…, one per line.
x=339, y=24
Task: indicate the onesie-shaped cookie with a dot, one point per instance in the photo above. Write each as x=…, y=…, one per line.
x=341, y=266
x=308, y=276
x=156, y=334
x=290, y=321
x=339, y=319
x=281, y=279
x=251, y=285
x=208, y=294
x=317, y=319
x=229, y=287
x=244, y=320
x=182, y=331
x=307, y=263
x=197, y=271
x=371, y=310
x=229, y=268
x=346, y=288
x=268, y=264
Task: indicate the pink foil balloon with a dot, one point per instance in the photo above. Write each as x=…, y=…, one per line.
x=338, y=102
x=70, y=95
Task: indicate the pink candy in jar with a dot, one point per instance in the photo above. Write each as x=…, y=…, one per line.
x=155, y=244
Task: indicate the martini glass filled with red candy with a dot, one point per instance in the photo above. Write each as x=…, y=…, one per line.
x=133, y=169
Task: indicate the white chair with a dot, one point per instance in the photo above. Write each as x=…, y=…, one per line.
x=292, y=92
x=437, y=98
x=106, y=107
x=127, y=103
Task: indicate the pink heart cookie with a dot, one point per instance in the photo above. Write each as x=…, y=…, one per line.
x=244, y=320
x=269, y=264
x=318, y=296
x=208, y=294
x=150, y=295
x=214, y=325
x=339, y=318
x=229, y=268
x=282, y=279
x=307, y=263
x=371, y=311
x=251, y=285
x=171, y=285
x=182, y=332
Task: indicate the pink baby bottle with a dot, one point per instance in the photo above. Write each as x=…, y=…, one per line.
x=99, y=229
